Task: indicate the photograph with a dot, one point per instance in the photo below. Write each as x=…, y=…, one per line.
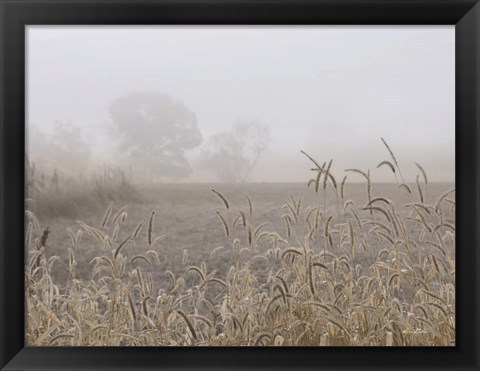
x=240, y=186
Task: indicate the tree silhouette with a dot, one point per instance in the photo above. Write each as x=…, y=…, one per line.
x=233, y=154
x=156, y=131
x=63, y=149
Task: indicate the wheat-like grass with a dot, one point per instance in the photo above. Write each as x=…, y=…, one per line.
x=425, y=178
x=387, y=277
x=150, y=228
x=222, y=197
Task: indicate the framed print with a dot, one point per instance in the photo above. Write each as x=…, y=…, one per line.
x=239, y=185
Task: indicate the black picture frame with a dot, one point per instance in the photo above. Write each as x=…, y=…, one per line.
x=16, y=14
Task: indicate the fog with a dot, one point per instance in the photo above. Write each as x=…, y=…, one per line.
x=234, y=104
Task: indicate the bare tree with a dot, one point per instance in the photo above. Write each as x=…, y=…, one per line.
x=233, y=154
x=156, y=132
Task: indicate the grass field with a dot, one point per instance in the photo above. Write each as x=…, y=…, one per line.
x=248, y=264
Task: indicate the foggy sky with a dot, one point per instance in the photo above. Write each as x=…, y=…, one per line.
x=330, y=91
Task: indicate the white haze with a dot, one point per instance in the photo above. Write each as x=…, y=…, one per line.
x=330, y=91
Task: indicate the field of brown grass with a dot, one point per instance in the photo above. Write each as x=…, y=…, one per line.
x=354, y=264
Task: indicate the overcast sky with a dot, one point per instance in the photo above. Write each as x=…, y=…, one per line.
x=330, y=91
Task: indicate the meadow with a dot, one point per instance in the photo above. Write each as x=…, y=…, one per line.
x=335, y=261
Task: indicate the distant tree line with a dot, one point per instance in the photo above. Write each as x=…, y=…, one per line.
x=154, y=133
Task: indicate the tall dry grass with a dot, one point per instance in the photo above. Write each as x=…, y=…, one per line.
x=58, y=194
x=367, y=274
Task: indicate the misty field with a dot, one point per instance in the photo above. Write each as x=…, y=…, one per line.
x=324, y=264
x=189, y=198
